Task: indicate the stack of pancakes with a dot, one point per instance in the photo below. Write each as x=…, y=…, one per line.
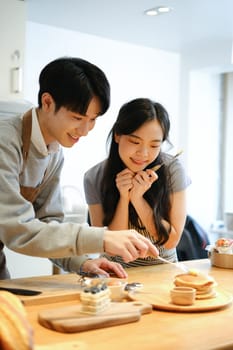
x=204, y=284
x=95, y=299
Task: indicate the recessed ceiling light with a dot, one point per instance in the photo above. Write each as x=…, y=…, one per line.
x=151, y=12
x=159, y=10
x=164, y=9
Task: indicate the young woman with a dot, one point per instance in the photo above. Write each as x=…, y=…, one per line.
x=124, y=192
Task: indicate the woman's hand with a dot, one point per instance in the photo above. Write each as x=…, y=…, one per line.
x=103, y=266
x=142, y=181
x=124, y=182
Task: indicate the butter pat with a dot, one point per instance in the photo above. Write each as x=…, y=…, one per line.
x=193, y=272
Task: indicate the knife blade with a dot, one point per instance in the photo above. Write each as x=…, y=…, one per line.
x=21, y=291
x=175, y=264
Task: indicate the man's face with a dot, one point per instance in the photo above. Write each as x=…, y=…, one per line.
x=64, y=126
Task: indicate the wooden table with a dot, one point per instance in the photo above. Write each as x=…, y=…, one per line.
x=157, y=330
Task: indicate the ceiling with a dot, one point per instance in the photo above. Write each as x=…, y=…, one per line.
x=191, y=24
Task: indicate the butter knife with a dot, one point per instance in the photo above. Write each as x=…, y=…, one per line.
x=158, y=166
x=21, y=291
x=176, y=264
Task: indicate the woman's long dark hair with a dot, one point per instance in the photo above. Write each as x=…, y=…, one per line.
x=131, y=117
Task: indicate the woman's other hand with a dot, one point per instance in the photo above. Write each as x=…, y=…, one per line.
x=142, y=181
x=124, y=182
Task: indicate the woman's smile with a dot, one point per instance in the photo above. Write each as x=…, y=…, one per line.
x=138, y=162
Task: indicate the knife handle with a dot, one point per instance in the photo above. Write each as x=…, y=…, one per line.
x=21, y=291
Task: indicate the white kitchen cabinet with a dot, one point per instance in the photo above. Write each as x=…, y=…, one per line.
x=12, y=43
x=12, y=49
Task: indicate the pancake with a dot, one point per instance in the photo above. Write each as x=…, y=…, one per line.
x=211, y=294
x=204, y=284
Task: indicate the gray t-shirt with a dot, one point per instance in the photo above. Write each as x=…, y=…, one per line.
x=93, y=178
x=179, y=182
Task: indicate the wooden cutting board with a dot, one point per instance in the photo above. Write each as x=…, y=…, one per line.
x=71, y=319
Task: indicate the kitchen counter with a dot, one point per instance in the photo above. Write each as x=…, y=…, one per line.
x=203, y=330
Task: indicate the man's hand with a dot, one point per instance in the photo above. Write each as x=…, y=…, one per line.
x=128, y=244
x=102, y=266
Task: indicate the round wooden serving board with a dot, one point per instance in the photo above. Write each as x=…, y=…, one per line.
x=160, y=300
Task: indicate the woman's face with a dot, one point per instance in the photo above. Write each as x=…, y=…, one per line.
x=139, y=149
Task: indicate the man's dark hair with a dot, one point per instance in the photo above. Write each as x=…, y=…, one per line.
x=73, y=82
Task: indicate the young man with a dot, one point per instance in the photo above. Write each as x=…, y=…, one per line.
x=72, y=94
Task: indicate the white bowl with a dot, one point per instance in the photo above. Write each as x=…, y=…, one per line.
x=115, y=285
x=118, y=292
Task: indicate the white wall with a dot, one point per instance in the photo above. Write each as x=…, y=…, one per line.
x=228, y=200
x=12, y=40
x=200, y=125
x=133, y=71
x=203, y=145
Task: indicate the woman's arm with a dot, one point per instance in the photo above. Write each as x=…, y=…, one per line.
x=124, y=183
x=141, y=183
x=177, y=217
x=96, y=215
x=145, y=214
x=120, y=219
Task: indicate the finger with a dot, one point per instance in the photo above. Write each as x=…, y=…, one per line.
x=153, y=176
x=124, y=180
x=134, y=248
x=124, y=183
x=113, y=266
x=149, y=176
x=147, y=247
x=131, y=251
x=118, y=270
x=141, y=248
x=151, y=249
x=122, y=251
x=98, y=271
x=125, y=174
x=139, y=178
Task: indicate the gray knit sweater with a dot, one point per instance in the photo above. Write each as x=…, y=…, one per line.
x=37, y=229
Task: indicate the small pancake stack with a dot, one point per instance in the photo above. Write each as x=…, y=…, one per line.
x=95, y=299
x=204, y=284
